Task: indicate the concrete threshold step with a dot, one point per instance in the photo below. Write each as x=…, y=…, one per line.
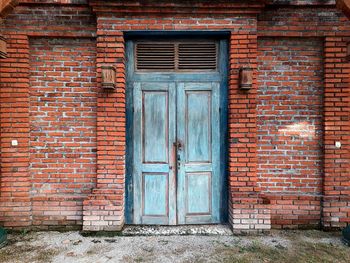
x=205, y=230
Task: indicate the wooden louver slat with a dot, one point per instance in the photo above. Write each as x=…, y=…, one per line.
x=176, y=56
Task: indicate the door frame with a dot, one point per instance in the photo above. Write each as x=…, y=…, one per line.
x=223, y=38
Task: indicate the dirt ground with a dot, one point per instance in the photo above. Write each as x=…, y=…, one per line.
x=279, y=246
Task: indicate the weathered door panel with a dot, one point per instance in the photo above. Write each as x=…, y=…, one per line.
x=154, y=134
x=198, y=153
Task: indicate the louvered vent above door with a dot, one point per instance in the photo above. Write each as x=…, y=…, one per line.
x=155, y=56
x=200, y=56
x=176, y=56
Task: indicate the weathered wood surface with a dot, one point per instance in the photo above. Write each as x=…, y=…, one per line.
x=344, y=5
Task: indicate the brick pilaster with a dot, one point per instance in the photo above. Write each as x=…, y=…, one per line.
x=247, y=210
x=14, y=116
x=104, y=209
x=336, y=189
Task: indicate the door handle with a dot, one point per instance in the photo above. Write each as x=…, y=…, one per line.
x=176, y=155
x=178, y=150
x=178, y=161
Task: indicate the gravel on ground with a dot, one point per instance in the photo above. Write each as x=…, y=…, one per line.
x=309, y=246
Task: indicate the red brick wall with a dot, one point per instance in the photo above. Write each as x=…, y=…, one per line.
x=104, y=207
x=289, y=121
x=333, y=27
x=303, y=22
x=18, y=28
x=63, y=100
x=52, y=20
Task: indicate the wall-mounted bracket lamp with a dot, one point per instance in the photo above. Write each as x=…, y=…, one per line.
x=348, y=51
x=3, y=51
x=108, y=77
x=245, y=78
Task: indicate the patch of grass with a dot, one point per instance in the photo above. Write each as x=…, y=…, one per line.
x=27, y=253
x=321, y=252
x=255, y=252
x=24, y=232
x=317, y=234
x=101, y=233
x=44, y=256
x=91, y=252
x=299, y=252
x=217, y=242
x=137, y=259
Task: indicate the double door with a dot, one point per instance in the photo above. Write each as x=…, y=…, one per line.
x=176, y=152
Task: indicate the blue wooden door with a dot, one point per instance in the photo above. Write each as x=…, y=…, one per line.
x=198, y=152
x=176, y=155
x=154, y=156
